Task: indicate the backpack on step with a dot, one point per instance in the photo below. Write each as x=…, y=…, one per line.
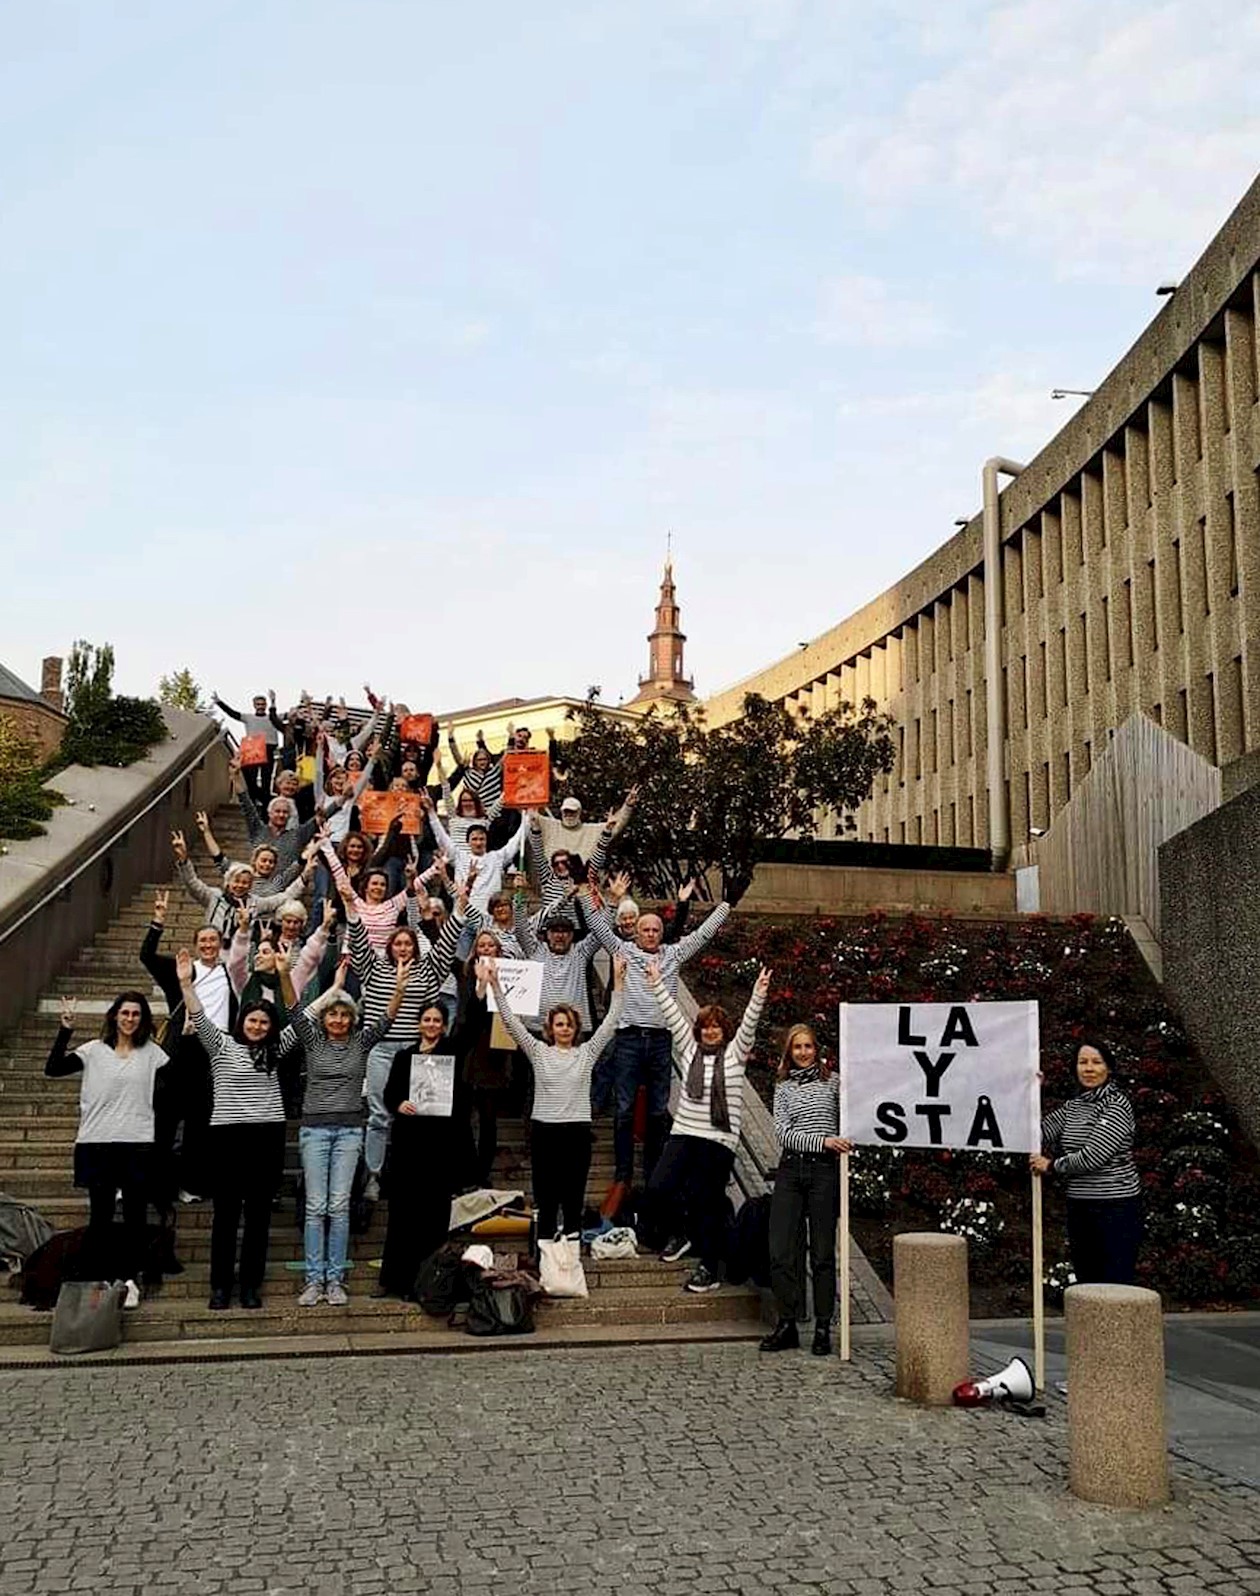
x=442, y=1284
x=501, y=1304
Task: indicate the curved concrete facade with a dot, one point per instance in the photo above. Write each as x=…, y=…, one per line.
x=1130, y=575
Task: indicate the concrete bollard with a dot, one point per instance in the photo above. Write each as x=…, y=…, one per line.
x=1117, y=1435
x=930, y=1311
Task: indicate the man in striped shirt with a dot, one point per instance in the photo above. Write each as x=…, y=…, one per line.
x=641, y=1051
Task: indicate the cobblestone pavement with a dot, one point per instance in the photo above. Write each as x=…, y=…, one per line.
x=681, y=1471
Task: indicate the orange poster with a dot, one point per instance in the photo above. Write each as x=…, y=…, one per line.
x=377, y=810
x=253, y=751
x=416, y=729
x=526, y=779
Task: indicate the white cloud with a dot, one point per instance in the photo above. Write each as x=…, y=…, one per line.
x=1089, y=131
x=861, y=312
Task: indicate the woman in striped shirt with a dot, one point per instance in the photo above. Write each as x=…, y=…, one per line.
x=1089, y=1144
x=694, y=1169
x=807, y=1123
x=246, y=1135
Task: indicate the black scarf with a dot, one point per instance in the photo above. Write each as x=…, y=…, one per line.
x=719, y=1115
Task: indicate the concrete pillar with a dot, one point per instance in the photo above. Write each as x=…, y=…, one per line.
x=1117, y=1435
x=931, y=1307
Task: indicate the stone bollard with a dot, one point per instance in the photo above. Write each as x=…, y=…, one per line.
x=1117, y=1438
x=930, y=1311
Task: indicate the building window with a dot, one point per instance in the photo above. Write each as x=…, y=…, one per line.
x=1085, y=649
x=1128, y=621
x=1063, y=670
x=1179, y=609
x=1211, y=752
x=1106, y=638
x=1231, y=542
x=1201, y=527
x=1067, y=778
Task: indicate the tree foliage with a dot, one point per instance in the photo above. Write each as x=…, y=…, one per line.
x=181, y=690
x=24, y=801
x=105, y=728
x=710, y=799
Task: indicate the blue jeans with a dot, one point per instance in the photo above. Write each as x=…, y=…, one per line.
x=379, y=1062
x=330, y=1156
x=641, y=1056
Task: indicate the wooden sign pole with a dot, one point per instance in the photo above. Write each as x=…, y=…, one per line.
x=1038, y=1289
x=845, y=1317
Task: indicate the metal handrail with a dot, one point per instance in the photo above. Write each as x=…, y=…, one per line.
x=196, y=755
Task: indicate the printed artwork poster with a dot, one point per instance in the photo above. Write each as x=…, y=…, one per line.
x=526, y=779
x=432, y=1088
x=253, y=751
x=957, y=1075
x=378, y=810
x=416, y=729
x=521, y=980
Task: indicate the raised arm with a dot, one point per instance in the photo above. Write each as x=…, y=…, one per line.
x=212, y=1038
x=232, y=714
x=159, y=965
x=622, y=817
x=691, y=945
x=607, y=1028
x=187, y=876
x=741, y=1047
x=511, y=849
x=524, y=931
x=441, y=837
x=534, y=1050
x=237, y=961
x=675, y=1019
x=208, y=838
x=59, y=1062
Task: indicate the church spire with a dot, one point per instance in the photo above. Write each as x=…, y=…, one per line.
x=665, y=680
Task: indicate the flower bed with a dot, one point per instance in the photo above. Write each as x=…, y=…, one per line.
x=1200, y=1176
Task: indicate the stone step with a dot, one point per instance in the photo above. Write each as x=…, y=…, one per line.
x=176, y=1319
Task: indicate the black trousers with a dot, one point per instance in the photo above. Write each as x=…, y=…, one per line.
x=248, y=1162
x=1103, y=1239
x=688, y=1192
x=487, y=1100
x=806, y=1194
x=423, y=1159
x=561, y=1160
x=258, y=782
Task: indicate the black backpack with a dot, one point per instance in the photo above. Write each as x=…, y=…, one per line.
x=500, y=1307
x=442, y=1284
x=748, y=1243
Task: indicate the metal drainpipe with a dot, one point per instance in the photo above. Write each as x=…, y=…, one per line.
x=995, y=700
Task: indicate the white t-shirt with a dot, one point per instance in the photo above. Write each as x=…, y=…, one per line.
x=210, y=981
x=116, y=1100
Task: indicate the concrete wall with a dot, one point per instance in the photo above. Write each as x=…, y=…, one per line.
x=809, y=889
x=1130, y=581
x=1210, y=906
x=107, y=804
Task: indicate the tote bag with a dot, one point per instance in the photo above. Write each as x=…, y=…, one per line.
x=87, y=1318
x=560, y=1267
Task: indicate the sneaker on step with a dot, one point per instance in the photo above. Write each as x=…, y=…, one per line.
x=372, y=1189
x=703, y=1280
x=132, y=1298
x=188, y=1196
x=336, y=1295
x=674, y=1249
x=311, y=1296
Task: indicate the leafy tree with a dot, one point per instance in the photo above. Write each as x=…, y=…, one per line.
x=105, y=729
x=180, y=690
x=24, y=800
x=711, y=799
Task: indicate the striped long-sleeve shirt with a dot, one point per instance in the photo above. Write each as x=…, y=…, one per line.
x=641, y=1007
x=243, y=1095
x=806, y=1110
x=564, y=974
x=380, y=919
x=694, y=1117
x=377, y=978
x=555, y=890
x=562, y=1075
x=1091, y=1141
x=335, y=1071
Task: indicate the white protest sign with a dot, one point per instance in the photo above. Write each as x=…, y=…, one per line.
x=961, y=1075
x=521, y=980
x=432, y=1088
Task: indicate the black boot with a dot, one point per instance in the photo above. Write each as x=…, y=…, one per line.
x=782, y=1338
x=822, y=1339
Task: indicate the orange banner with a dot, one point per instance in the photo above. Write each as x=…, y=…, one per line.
x=378, y=810
x=526, y=779
x=417, y=729
x=253, y=751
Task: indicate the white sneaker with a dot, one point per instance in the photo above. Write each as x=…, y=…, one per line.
x=188, y=1197
x=132, y=1299
x=372, y=1189
x=311, y=1296
x=336, y=1295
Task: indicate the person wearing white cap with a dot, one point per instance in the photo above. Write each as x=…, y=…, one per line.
x=582, y=836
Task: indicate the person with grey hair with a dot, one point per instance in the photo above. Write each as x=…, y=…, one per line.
x=334, y=1118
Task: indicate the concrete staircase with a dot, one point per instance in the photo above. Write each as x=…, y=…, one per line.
x=630, y=1300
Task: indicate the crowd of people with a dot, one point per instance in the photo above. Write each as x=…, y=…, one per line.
x=350, y=979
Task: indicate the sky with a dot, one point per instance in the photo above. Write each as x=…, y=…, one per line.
x=387, y=340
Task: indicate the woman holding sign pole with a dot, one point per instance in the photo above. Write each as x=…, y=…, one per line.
x=1089, y=1143
x=807, y=1123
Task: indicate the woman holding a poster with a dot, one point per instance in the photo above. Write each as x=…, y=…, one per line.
x=1089, y=1144
x=806, y=1189
x=419, y=1097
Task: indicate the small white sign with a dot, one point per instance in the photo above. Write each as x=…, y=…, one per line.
x=521, y=980
x=432, y=1088
x=960, y=1075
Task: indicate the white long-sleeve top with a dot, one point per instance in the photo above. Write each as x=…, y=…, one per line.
x=490, y=865
x=694, y=1118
